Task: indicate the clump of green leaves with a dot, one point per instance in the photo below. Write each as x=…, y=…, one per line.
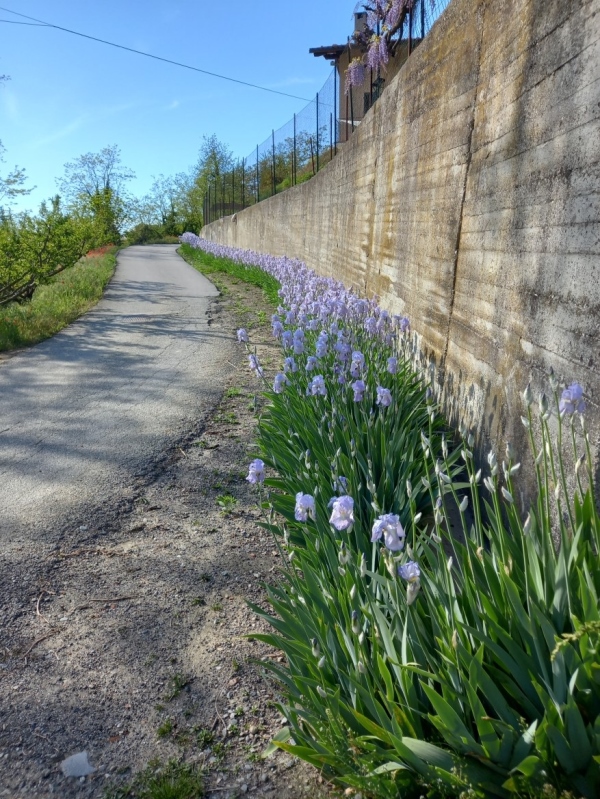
x=165, y=729
x=227, y=503
x=177, y=683
x=174, y=780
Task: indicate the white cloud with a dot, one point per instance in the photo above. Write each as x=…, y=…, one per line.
x=62, y=133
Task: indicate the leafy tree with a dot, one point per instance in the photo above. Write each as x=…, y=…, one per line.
x=12, y=185
x=34, y=248
x=94, y=185
x=166, y=205
x=215, y=160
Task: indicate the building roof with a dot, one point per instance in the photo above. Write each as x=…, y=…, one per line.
x=331, y=51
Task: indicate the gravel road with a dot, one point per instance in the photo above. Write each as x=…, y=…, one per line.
x=85, y=411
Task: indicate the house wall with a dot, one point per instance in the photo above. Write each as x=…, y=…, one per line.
x=469, y=199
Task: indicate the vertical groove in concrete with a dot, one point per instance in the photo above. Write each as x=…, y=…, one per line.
x=481, y=15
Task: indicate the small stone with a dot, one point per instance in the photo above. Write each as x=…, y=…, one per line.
x=77, y=765
x=244, y=788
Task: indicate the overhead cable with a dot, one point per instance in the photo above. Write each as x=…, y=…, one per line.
x=150, y=55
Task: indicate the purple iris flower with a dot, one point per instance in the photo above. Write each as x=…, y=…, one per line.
x=341, y=485
x=311, y=363
x=277, y=328
x=305, y=507
x=242, y=336
x=321, y=348
x=359, y=388
x=256, y=471
x=287, y=339
x=390, y=528
x=371, y=325
x=342, y=515
x=280, y=383
x=384, y=397
x=317, y=386
x=357, y=364
x=572, y=399
x=392, y=365
x=409, y=571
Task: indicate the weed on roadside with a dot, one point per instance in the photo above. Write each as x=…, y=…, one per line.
x=165, y=729
x=227, y=503
x=171, y=781
x=176, y=685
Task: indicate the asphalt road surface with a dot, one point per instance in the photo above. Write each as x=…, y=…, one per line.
x=83, y=412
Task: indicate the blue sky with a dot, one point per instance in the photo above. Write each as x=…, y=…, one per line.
x=68, y=95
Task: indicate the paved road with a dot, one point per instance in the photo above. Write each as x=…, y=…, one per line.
x=81, y=413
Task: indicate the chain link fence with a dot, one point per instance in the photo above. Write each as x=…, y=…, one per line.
x=296, y=151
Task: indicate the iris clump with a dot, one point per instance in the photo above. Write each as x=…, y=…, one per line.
x=419, y=662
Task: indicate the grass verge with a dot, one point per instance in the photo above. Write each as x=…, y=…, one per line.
x=211, y=266
x=56, y=304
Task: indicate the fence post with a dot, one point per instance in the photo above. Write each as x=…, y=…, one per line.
x=272, y=162
x=243, y=183
x=351, y=93
x=233, y=189
x=330, y=136
x=294, y=162
x=335, y=108
x=257, y=178
x=422, y=19
x=317, y=131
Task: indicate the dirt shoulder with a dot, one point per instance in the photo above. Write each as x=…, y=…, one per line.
x=127, y=640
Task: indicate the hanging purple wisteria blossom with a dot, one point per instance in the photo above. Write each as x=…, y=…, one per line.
x=355, y=74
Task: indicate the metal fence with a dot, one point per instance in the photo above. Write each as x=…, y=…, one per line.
x=296, y=151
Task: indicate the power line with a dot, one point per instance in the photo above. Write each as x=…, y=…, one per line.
x=31, y=24
x=148, y=55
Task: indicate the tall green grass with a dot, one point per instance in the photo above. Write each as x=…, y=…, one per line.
x=210, y=265
x=56, y=304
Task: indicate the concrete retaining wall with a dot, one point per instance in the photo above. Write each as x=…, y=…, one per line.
x=469, y=199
